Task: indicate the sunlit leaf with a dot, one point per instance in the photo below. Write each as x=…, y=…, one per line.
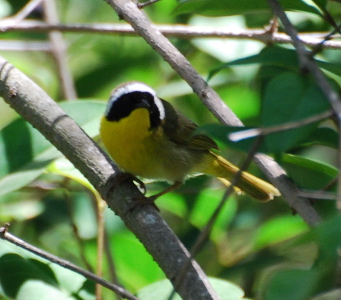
x=64, y=167
x=162, y=289
x=277, y=230
x=134, y=264
x=36, y=289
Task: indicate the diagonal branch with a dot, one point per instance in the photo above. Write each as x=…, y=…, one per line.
x=44, y=114
x=129, y=11
x=308, y=63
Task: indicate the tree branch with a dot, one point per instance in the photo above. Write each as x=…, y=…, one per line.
x=44, y=114
x=128, y=10
x=180, y=31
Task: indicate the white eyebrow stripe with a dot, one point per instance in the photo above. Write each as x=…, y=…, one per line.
x=131, y=87
x=161, y=108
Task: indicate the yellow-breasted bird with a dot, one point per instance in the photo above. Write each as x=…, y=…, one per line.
x=147, y=137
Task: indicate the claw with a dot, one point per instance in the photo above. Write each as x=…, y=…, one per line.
x=123, y=176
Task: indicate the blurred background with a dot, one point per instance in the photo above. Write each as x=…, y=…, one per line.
x=264, y=248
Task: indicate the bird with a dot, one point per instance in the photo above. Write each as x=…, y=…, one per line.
x=147, y=137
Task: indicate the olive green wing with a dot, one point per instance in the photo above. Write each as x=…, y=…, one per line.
x=181, y=131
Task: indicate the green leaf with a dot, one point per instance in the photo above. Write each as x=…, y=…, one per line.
x=86, y=113
x=290, y=97
x=72, y=282
x=134, y=264
x=24, y=154
x=64, y=167
x=321, y=3
x=7, y=114
x=24, y=151
x=26, y=279
x=161, y=290
x=322, y=136
x=205, y=205
x=307, y=173
x=36, y=289
x=327, y=234
x=284, y=58
x=332, y=67
x=269, y=56
x=284, y=285
x=15, y=271
x=227, y=8
x=278, y=230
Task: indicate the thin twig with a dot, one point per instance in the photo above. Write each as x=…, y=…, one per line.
x=318, y=195
x=310, y=39
x=59, y=52
x=320, y=46
x=75, y=230
x=253, y=132
x=100, y=243
x=14, y=45
x=99, y=207
x=5, y=235
x=144, y=4
x=110, y=260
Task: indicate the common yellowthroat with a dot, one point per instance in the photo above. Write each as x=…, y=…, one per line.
x=147, y=137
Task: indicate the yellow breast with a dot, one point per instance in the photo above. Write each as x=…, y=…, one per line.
x=124, y=139
x=132, y=145
x=137, y=149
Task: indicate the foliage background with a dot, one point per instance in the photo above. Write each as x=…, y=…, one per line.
x=264, y=248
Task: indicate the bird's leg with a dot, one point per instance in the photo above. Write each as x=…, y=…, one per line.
x=124, y=176
x=173, y=187
x=151, y=200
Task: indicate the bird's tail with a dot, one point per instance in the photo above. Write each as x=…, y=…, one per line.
x=252, y=185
